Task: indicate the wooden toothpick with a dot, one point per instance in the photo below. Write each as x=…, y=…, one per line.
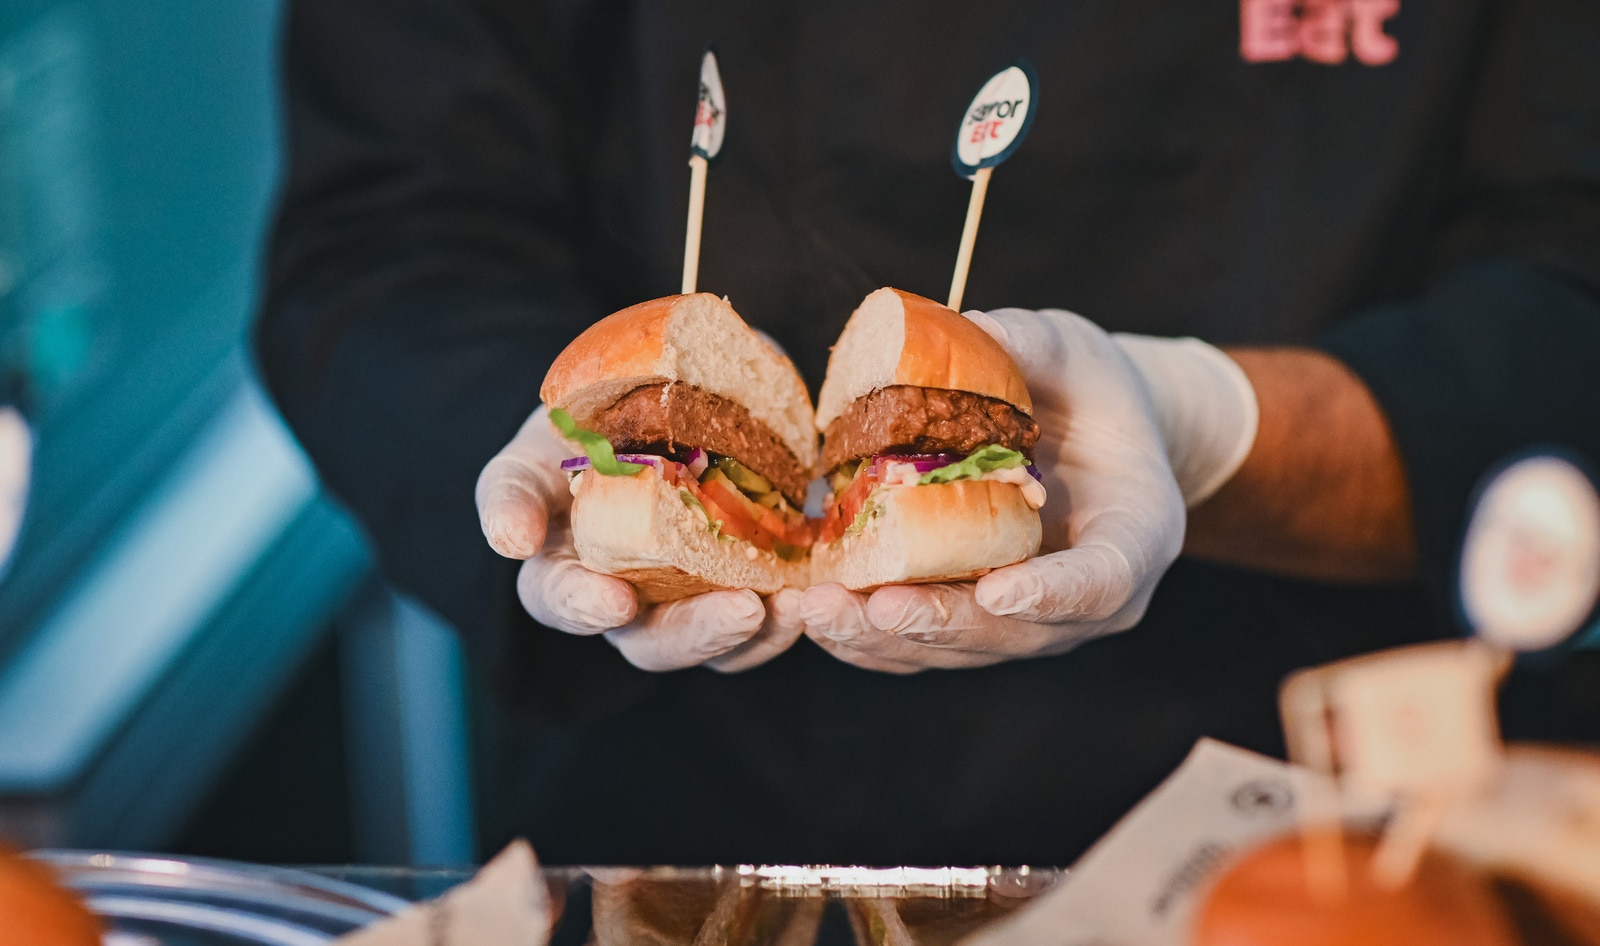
x=969, y=236
x=697, y=210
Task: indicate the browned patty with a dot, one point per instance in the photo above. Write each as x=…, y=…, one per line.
x=660, y=416
x=905, y=418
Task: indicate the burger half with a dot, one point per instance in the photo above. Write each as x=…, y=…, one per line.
x=927, y=440
x=698, y=445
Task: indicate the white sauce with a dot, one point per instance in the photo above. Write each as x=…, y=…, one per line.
x=905, y=474
x=900, y=474
x=1032, y=489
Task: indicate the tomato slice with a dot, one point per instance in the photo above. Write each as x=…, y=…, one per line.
x=848, y=505
x=738, y=521
x=741, y=517
x=733, y=522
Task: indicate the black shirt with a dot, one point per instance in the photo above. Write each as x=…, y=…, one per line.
x=470, y=184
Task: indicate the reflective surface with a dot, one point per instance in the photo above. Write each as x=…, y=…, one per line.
x=756, y=906
x=155, y=900
x=150, y=900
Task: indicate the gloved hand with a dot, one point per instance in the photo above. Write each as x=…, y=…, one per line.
x=523, y=500
x=1114, y=521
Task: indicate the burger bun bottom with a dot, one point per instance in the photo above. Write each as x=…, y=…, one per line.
x=640, y=529
x=937, y=532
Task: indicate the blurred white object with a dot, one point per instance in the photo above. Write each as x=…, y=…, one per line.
x=16, y=471
x=506, y=904
x=1141, y=883
x=1540, y=819
x=1530, y=562
x=1416, y=720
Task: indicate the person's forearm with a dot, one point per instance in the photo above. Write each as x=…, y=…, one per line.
x=1322, y=494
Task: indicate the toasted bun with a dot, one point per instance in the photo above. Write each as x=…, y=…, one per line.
x=37, y=911
x=938, y=532
x=1263, y=900
x=638, y=528
x=895, y=337
x=697, y=339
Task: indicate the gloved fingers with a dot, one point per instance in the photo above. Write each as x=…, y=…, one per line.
x=836, y=618
x=946, y=617
x=690, y=631
x=890, y=649
x=513, y=518
x=1125, y=530
x=842, y=621
x=560, y=593
x=831, y=612
x=860, y=659
x=1087, y=583
x=782, y=626
x=521, y=487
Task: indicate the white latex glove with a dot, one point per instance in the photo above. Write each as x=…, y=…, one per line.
x=1205, y=407
x=1113, y=522
x=523, y=500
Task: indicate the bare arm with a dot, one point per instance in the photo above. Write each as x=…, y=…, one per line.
x=1322, y=494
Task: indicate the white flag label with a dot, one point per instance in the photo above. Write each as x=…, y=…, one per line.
x=1530, y=562
x=711, y=113
x=996, y=121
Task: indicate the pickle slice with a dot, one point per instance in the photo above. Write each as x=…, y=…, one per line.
x=715, y=475
x=752, y=483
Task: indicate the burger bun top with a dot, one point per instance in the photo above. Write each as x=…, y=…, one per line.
x=896, y=337
x=697, y=339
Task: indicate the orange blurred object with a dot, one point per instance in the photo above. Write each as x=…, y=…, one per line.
x=1263, y=900
x=35, y=910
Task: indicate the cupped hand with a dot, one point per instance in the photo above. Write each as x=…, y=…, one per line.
x=1113, y=523
x=523, y=501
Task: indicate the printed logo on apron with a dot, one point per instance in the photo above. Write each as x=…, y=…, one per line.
x=1323, y=31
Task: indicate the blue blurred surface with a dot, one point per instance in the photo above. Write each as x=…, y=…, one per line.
x=178, y=562
x=137, y=160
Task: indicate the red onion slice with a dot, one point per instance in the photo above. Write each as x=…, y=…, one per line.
x=922, y=462
x=575, y=464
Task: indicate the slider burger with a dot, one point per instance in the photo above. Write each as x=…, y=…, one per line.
x=697, y=445
x=926, y=446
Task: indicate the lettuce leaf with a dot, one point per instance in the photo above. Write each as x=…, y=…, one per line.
x=690, y=500
x=978, y=462
x=602, y=458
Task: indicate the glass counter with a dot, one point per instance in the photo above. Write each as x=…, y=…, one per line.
x=150, y=900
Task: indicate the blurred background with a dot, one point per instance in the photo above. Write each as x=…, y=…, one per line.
x=194, y=653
